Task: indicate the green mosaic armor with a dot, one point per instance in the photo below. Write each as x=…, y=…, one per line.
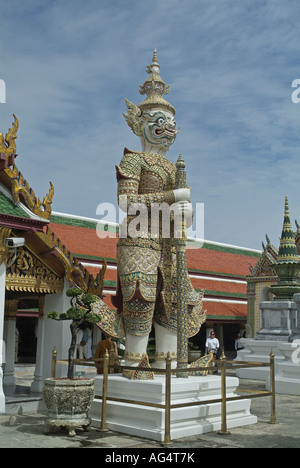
x=147, y=266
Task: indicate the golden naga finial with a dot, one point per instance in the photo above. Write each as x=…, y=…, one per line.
x=8, y=145
x=19, y=186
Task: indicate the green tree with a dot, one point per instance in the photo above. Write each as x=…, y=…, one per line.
x=79, y=313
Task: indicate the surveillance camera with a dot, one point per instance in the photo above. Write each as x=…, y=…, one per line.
x=14, y=242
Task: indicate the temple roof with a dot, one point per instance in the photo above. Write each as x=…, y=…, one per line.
x=24, y=215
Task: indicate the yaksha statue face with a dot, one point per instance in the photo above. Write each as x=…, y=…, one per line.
x=159, y=128
x=154, y=119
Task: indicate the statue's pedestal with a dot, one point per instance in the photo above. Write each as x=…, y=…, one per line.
x=287, y=364
x=258, y=351
x=288, y=370
x=279, y=333
x=277, y=320
x=149, y=422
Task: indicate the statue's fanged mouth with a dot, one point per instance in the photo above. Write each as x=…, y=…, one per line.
x=159, y=132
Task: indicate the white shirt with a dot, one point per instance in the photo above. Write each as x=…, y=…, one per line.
x=212, y=344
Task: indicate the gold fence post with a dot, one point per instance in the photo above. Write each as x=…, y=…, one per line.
x=223, y=430
x=104, y=391
x=167, y=440
x=54, y=359
x=272, y=387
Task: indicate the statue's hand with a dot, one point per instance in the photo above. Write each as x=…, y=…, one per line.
x=183, y=194
x=184, y=208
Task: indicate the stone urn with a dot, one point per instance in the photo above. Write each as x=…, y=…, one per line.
x=68, y=403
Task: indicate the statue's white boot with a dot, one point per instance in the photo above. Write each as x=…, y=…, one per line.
x=165, y=342
x=136, y=346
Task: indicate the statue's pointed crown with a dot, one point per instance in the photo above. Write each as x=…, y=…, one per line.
x=154, y=88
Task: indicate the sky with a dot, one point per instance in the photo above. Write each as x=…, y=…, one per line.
x=68, y=66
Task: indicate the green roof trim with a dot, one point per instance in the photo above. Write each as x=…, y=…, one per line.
x=93, y=257
x=84, y=223
x=230, y=249
x=73, y=222
x=231, y=318
x=224, y=294
x=8, y=207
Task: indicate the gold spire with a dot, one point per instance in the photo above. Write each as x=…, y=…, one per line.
x=154, y=87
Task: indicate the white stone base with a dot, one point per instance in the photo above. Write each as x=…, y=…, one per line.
x=287, y=364
x=258, y=351
x=287, y=376
x=2, y=402
x=149, y=422
x=2, y=396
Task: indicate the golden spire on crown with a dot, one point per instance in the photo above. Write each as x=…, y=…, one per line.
x=154, y=87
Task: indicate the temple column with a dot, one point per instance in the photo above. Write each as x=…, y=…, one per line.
x=52, y=334
x=4, y=233
x=11, y=307
x=36, y=385
x=251, y=293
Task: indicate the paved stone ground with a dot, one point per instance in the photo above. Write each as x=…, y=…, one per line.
x=26, y=431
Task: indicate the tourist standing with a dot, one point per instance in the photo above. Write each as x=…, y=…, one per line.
x=238, y=345
x=212, y=344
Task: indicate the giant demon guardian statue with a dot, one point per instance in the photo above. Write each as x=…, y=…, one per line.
x=146, y=257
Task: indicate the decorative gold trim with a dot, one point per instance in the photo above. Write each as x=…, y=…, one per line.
x=28, y=274
x=163, y=356
x=19, y=186
x=75, y=272
x=4, y=234
x=8, y=144
x=137, y=373
x=133, y=356
x=31, y=284
x=204, y=361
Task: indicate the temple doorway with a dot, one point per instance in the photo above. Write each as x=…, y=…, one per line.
x=26, y=340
